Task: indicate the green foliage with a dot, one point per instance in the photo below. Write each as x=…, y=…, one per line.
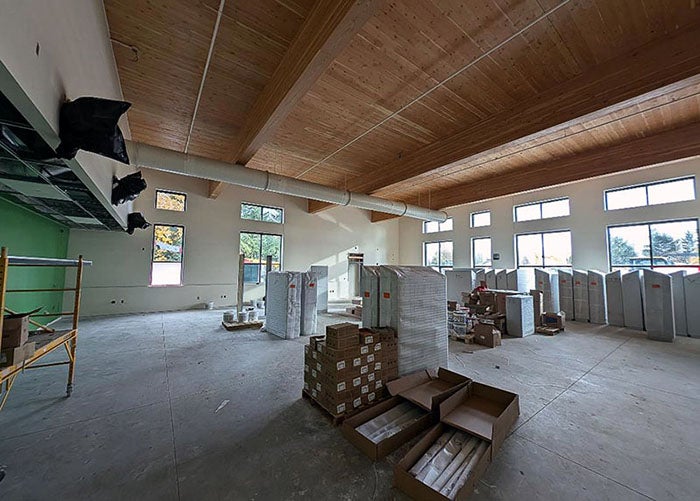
x=167, y=243
x=621, y=251
x=250, y=212
x=170, y=201
x=689, y=243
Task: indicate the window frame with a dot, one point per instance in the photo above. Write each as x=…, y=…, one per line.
x=261, y=234
x=646, y=192
x=425, y=223
x=544, y=262
x=471, y=218
x=440, y=266
x=540, y=203
x=182, y=259
x=170, y=192
x=649, y=224
x=261, y=207
x=474, y=264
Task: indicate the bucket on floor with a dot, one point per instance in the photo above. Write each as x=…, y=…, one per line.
x=210, y=305
x=229, y=317
x=243, y=316
x=252, y=316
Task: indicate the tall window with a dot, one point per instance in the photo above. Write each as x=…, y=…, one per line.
x=481, y=252
x=168, y=249
x=256, y=247
x=662, y=192
x=435, y=227
x=262, y=213
x=170, y=200
x=542, y=210
x=544, y=250
x=438, y=255
x=479, y=219
x=669, y=246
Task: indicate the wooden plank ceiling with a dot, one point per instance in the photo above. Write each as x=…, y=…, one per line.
x=378, y=117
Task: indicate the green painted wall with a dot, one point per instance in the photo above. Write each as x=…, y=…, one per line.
x=25, y=233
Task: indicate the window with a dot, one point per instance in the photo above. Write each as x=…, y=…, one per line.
x=669, y=246
x=480, y=219
x=481, y=252
x=544, y=250
x=542, y=210
x=262, y=213
x=166, y=264
x=170, y=200
x=434, y=226
x=662, y=192
x=256, y=247
x=438, y=255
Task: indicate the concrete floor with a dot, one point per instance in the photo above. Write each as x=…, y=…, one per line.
x=170, y=406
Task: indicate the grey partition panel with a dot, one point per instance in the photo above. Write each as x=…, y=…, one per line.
x=322, y=284
x=692, y=304
x=480, y=276
x=283, y=316
x=632, y=304
x=613, y=298
x=566, y=293
x=581, y=295
x=548, y=282
x=458, y=281
x=512, y=280
x=596, y=297
x=520, y=315
x=491, y=279
x=369, y=285
x=501, y=279
x=658, y=306
x=678, y=292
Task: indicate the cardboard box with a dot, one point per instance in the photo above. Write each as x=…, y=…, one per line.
x=487, y=335
x=553, y=320
x=537, y=301
x=427, y=388
x=14, y=356
x=367, y=336
x=343, y=335
x=477, y=409
x=15, y=330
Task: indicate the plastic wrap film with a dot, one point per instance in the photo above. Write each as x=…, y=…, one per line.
x=369, y=289
x=520, y=315
x=581, y=296
x=521, y=280
x=512, y=280
x=548, y=282
x=491, y=279
x=501, y=279
x=283, y=317
x=322, y=285
x=613, y=298
x=692, y=300
x=596, y=297
x=413, y=302
x=632, y=304
x=678, y=292
x=458, y=281
x=391, y=422
x=480, y=277
x=566, y=293
x=658, y=306
x=309, y=301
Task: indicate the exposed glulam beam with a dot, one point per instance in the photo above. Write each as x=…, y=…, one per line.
x=326, y=31
x=666, y=146
x=377, y=217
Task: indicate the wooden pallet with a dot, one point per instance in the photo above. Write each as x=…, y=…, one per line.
x=549, y=331
x=467, y=339
x=236, y=326
x=336, y=419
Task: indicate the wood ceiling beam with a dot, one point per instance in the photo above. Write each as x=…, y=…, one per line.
x=326, y=31
x=666, y=146
x=599, y=92
x=377, y=217
x=315, y=206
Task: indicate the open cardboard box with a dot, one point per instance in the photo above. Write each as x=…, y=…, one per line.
x=478, y=409
x=426, y=389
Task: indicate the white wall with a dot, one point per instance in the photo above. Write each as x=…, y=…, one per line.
x=121, y=268
x=588, y=220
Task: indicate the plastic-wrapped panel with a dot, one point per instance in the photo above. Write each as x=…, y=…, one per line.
x=370, y=296
x=480, y=277
x=459, y=281
x=413, y=302
x=501, y=279
x=283, y=317
x=566, y=293
x=632, y=304
x=692, y=304
x=512, y=280
x=678, y=292
x=581, y=295
x=596, y=297
x=322, y=285
x=613, y=298
x=491, y=279
x=548, y=282
x=520, y=315
x=658, y=306
x=309, y=301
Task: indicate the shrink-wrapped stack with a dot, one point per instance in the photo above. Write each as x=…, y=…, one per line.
x=678, y=292
x=581, y=296
x=283, y=304
x=370, y=296
x=632, y=304
x=691, y=287
x=520, y=316
x=458, y=281
x=491, y=279
x=501, y=279
x=596, y=297
x=566, y=293
x=548, y=282
x=613, y=298
x=658, y=306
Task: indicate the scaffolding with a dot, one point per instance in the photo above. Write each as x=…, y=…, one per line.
x=46, y=339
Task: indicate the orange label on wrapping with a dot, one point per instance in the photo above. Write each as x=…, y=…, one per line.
x=312, y=285
x=578, y=283
x=292, y=286
x=366, y=293
x=655, y=286
x=594, y=283
x=387, y=295
x=563, y=281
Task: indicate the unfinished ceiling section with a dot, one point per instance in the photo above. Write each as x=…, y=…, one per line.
x=415, y=101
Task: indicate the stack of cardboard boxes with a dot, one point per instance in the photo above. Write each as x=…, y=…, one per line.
x=348, y=368
x=15, y=332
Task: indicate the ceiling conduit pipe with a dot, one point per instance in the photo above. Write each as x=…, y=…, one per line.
x=174, y=162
